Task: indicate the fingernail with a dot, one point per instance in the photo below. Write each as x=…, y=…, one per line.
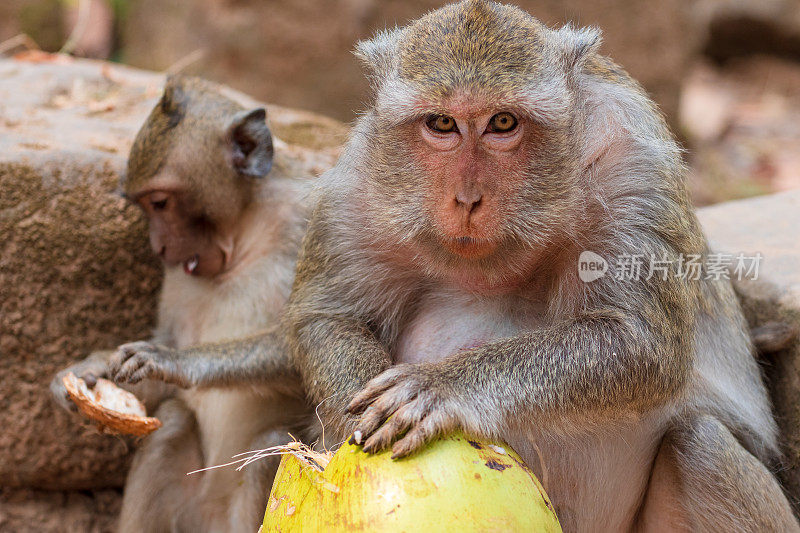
x=357, y=436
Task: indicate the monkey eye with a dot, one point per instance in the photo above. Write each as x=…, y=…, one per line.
x=158, y=201
x=502, y=123
x=441, y=123
x=158, y=205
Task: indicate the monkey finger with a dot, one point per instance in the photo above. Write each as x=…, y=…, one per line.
x=119, y=357
x=89, y=378
x=115, y=363
x=143, y=372
x=396, y=425
x=60, y=395
x=387, y=405
x=372, y=390
x=126, y=351
x=129, y=368
x=416, y=437
x=371, y=420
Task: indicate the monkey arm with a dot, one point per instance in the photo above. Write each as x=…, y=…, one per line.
x=337, y=358
x=595, y=362
x=334, y=349
x=605, y=361
x=259, y=359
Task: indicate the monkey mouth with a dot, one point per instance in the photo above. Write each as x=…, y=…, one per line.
x=190, y=265
x=470, y=247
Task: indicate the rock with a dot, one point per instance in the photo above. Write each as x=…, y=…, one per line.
x=297, y=53
x=732, y=28
x=76, y=272
x=742, y=122
x=24, y=510
x=41, y=20
x=769, y=225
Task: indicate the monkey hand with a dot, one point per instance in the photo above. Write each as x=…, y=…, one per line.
x=89, y=370
x=411, y=401
x=135, y=361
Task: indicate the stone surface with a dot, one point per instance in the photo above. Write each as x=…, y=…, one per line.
x=769, y=225
x=734, y=28
x=742, y=123
x=39, y=511
x=76, y=271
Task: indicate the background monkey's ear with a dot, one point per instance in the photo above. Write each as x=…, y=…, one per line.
x=173, y=101
x=251, y=143
x=578, y=44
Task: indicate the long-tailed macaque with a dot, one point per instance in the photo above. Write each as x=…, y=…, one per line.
x=227, y=221
x=438, y=285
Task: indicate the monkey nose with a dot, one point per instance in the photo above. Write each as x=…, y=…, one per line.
x=468, y=200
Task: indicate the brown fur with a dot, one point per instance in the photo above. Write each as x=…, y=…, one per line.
x=628, y=393
x=185, y=153
x=513, y=345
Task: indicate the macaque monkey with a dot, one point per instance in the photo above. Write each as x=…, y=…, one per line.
x=438, y=284
x=228, y=230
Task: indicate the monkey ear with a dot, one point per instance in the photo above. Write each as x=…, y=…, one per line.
x=578, y=44
x=251, y=143
x=173, y=101
x=379, y=53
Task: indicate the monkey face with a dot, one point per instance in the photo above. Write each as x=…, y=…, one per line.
x=474, y=186
x=181, y=235
x=474, y=143
x=192, y=205
x=473, y=163
x=193, y=168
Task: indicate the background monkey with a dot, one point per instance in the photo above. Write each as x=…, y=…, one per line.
x=438, y=283
x=228, y=231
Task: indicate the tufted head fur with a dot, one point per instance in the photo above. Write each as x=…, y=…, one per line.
x=487, y=48
x=215, y=142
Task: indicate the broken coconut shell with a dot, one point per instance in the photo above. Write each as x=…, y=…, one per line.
x=114, y=408
x=456, y=483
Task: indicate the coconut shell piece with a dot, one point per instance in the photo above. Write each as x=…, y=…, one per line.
x=114, y=408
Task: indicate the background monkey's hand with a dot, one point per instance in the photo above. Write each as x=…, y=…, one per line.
x=420, y=401
x=89, y=370
x=135, y=361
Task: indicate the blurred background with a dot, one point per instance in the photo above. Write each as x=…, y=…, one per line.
x=76, y=273
x=725, y=72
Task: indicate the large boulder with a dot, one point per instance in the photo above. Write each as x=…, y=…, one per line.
x=769, y=225
x=76, y=272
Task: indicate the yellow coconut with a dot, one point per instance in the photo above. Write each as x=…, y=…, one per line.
x=454, y=484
